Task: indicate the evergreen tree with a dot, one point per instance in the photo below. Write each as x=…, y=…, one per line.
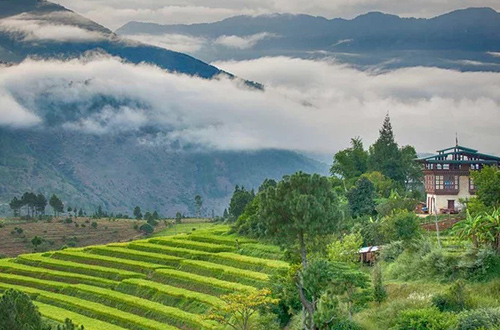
x=198, y=204
x=361, y=198
x=41, y=204
x=225, y=214
x=80, y=213
x=17, y=312
x=379, y=291
x=240, y=199
x=156, y=216
x=56, y=204
x=137, y=213
x=385, y=155
x=178, y=217
x=15, y=206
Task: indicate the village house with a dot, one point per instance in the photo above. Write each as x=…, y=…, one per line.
x=447, y=177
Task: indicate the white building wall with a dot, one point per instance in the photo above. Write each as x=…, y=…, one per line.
x=437, y=202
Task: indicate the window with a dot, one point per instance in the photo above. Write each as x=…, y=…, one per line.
x=439, y=182
x=446, y=166
x=472, y=186
x=438, y=166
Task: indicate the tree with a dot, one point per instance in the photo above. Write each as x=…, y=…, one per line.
x=379, y=291
x=352, y=162
x=401, y=226
x=69, y=325
x=411, y=169
x=225, y=215
x=488, y=186
x=382, y=184
x=137, y=213
x=266, y=184
x=301, y=208
x=240, y=307
x=80, y=213
x=17, y=312
x=482, y=229
x=347, y=249
x=156, y=216
x=241, y=197
x=178, y=217
x=198, y=201
x=147, y=228
x=40, y=204
x=36, y=241
x=56, y=204
x=148, y=216
x=15, y=206
x=69, y=209
x=29, y=200
x=385, y=156
x=361, y=198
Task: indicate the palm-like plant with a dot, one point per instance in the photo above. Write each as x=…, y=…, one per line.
x=469, y=228
x=492, y=228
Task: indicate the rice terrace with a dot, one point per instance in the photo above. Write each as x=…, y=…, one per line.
x=158, y=283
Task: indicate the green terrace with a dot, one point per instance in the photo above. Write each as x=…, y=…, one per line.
x=160, y=283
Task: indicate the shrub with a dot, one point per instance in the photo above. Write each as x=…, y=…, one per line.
x=403, y=226
x=425, y=319
x=68, y=220
x=392, y=251
x=147, y=228
x=19, y=230
x=479, y=319
x=456, y=299
x=136, y=226
x=94, y=224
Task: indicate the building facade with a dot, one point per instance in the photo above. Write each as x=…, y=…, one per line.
x=447, y=177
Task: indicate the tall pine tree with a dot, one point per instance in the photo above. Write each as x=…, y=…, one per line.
x=385, y=156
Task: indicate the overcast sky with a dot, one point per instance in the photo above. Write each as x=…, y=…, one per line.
x=115, y=13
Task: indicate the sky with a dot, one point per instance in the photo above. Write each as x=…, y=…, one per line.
x=115, y=13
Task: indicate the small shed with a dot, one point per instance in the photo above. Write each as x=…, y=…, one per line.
x=369, y=254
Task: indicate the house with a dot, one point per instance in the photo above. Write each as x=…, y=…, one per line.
x=368, y=254
x=447, y=177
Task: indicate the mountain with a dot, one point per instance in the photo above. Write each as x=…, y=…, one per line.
x=47, y=30
x=116, y=170
x=462, y=39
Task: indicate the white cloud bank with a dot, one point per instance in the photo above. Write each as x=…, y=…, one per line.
x=177, y=42
x=32, y=29
x=245, y=42
x=308, y=105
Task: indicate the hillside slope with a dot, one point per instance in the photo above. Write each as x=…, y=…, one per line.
x=156, y=284
x=47, y=30
x=373, y=38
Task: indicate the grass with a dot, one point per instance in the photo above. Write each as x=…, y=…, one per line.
x=60, y=315
x=75, y=267
x=162, y=283
x=182, y=228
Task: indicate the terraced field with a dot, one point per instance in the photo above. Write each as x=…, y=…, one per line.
x=162, y=283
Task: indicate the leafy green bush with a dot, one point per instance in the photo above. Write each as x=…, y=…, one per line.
x=392, y=251
x=487, y=318
x=455, y=299
x=147, y=228
x=94, y=225
x=425, y=319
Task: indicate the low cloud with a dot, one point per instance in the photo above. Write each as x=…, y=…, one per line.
x=177, y=42
x=314, y=106
x=31, y=29
x=245, y=42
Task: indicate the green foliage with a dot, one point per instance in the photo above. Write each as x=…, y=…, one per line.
x=137, y=213
x=17, y=312
x=479, y=319
x=395, y=203
x=94, y=224
x=36, y=241
x=455, y=299
x=300, y=207
x=488, y=186
x=361, y=198
x=382, y=184
x=56, y=204
x=198, y=201
x=178, y=217
x=69, y=325
x=346, y=249
x=240, y=199
x=379, y=291
x=483, y=230
x=352, y=162
x=147, y=228
x=401, y=226
x=392, y=251
x=425, y=319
